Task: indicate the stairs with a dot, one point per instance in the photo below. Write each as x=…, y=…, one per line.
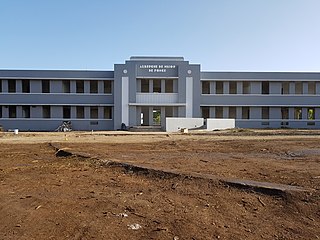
x=145, y=129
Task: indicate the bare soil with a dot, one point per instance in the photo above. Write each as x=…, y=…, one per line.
x=47, y=197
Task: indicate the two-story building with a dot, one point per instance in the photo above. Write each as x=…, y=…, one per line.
x=146, y=90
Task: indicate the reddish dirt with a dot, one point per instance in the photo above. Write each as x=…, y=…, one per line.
x=45, y=197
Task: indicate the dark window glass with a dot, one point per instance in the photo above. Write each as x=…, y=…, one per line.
x=46, y=112
x=205, y=112
x=11, y=86
x=12, y=111
x=205, y=87
x=107, y=112
x=79, y=86
x=145, y=85
x=26, y=111
x=219, y=87
x=66, y=112
x=107, y=86
x=26, y=86
x=94, y=113
x=80, y=112
x=94, y=86
x=157, y=85
x=265, y=87
x=45, y=86
x=66, y=86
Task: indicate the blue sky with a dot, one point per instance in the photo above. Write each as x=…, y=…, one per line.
x=256, y=35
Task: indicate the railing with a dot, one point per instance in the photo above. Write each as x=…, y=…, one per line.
x=157, y=98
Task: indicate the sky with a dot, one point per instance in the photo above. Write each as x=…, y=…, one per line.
x=221, y=35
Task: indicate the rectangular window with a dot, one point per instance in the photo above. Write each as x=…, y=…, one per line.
x=233, y=87
x=0, y=85
x=285, y=88
x=311, y=88
x=284, y=113
x=12, y=111
x=79, y=86
x=46, y=112
x=265, y=112
x=107, y=112
x=0, y=111
x=169, y=86
x=265, y=87
x=157, y=85
x=145, y=85
x=26, y=86
x=246, y=87
x=66, y=112
x=311, y=114
x=26, y=111
x=80, y=112
x=219, y=87
x=205, y=87
x=298, y=113
x=65, y=86
x=219, y=112
x=245, y=112
x=45, y=86
x=94, y=113
x=11, y=86
x=205, y=112
x=94, y=86
x=107, y=87
x=298, y=87
x=233, y=112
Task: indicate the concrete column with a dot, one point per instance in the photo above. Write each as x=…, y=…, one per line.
x=5, y=86
x=304, y=87
x=304, y=113
x=19, y=86
x=226, y=87
x=275, y=113
x=150, y=110
x=100, y=87
x=163, y=116
x=239, y=113
x=73, y=111
x=292, y=88
x=189, y=97
x=138, y=85
x=138, y=116
x=225, y=112
x=291, y=113
x=212, y=112
x=35, y=86
x=255, y=88
x=163, y=85
x=212, y=87
x=5, y=112
x=317, y=88
x=239, y=87
x=175, y=86
x=255, y=113
x=151, y=86
x=86, y=87
x=19, y=111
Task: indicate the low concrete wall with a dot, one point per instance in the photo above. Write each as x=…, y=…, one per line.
x=175, y=124
x=216, y=124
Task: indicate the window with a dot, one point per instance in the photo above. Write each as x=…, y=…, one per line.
x=298, y=87
x=66, y=112
x=169, y=86
x=46, y=112
x=311, y=88
x=0, y=85
x=311, y=114
x=233, y=112
x=145, y=85
x=265, y=87
x=265, y=112
x=205, y=87
x=156, y=85
x=107, y=87
x=298, y=113
x=285, y=88
x=94, y=113
x=11, y=86
x=94, y=86
x=107, y=112
x=80, y=112
x=45, y=86
x=233, y=87
x=219, y=112
x=26, y=111
x=205, y=112
x=26, y=86
x=79, y=86
x=246, y=87
x=219, y=87
x=0, y=111
x=245, y=112
x=284, y=113
x=12, y=111
x=65, y=86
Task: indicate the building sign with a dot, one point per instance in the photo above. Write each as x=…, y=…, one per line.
x=166, y=70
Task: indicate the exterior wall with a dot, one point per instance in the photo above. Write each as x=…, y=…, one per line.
x=284, y=94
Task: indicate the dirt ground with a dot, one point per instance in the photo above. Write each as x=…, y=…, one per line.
x=43, y=196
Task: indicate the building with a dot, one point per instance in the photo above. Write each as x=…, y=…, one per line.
x=146, y=90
